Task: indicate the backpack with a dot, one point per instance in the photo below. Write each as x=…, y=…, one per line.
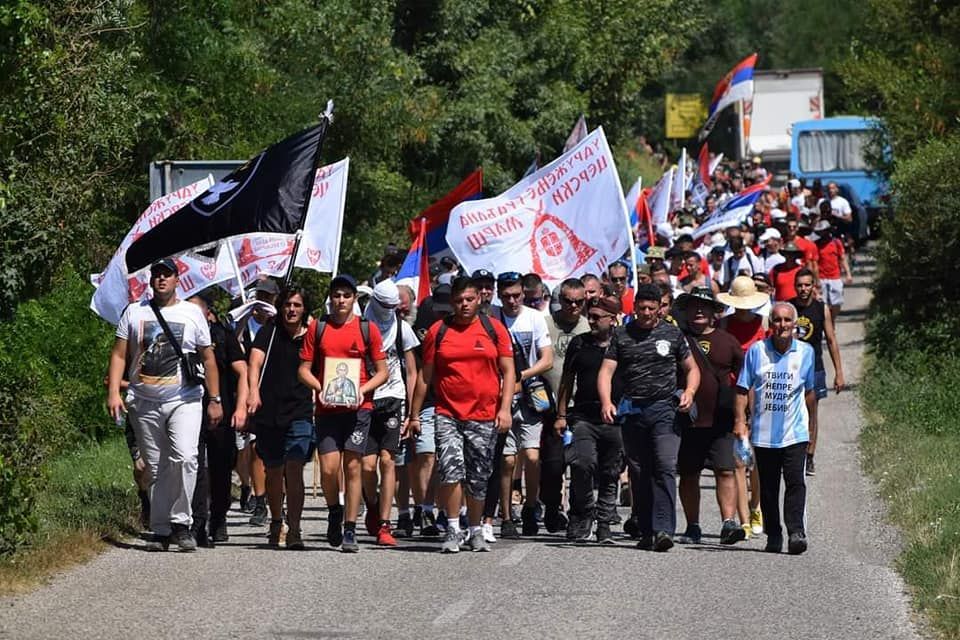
x=364, y=333
x=484, y=320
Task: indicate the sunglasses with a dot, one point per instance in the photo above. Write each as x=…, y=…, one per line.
x=572, y=303
x=532, y=301
x=509, y=277
x=618, y=279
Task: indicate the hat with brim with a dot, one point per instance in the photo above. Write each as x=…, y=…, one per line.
x=791, y=247
x=166, y=264
x=743, y=294
x=441, y=299
x=702, y=294
x=656, y=253
x=344, y=281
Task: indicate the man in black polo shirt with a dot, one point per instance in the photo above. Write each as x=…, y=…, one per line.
x=594, y=450
x=648, y=352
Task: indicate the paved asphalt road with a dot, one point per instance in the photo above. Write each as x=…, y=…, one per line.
x=844, y=587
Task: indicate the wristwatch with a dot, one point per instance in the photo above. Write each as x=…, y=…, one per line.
x=216, y=399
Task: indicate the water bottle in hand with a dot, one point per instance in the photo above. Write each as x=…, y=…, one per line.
x=743, y=452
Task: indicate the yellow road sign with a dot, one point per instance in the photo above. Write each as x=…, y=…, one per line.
x=685, y=113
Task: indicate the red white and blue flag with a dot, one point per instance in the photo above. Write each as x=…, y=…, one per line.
x=436, y=215
x=736, y=85
x=415, y=271
x=734, y=211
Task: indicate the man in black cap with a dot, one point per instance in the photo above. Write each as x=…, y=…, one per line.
x=342, y=340
x=485, y=281
x=164, y=405
x=706, y=440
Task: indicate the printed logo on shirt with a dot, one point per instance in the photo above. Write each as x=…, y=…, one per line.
x=478, y=346
x=355, y=348
x=663, y=347
x=804, y=328
x=705, y=345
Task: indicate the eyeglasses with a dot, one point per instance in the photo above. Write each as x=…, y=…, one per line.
x=618, y=279
x=509, y=277
x=532, y=302
x=572, y=303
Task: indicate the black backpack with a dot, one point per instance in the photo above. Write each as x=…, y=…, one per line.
x=364, y=333
x=484, y=320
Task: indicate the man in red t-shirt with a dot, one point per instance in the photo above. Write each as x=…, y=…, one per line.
x=468, y=362
x=833, y=264
x=620, y=282
x=807, y=247
x=782, y=275
x=343, y=401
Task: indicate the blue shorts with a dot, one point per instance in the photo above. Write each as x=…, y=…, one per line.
x=820, y=384
x=277, y=446
x=425, y=442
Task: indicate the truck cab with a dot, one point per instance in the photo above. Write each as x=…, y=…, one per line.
x=838, y=150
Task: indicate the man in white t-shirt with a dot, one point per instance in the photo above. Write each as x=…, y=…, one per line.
x=391, y=401
x=164, y=408
x=533, y=353
x=839, y=206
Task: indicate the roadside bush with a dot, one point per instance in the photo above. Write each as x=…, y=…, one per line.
x=53, y=356
x=916, y=304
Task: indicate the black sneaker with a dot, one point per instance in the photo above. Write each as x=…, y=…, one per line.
x=181, y=536
x=693, y=535
x=157, y=543
x=662, y=542
x=508, y=529
x=796, y=544
x=631, y=527
x=811, y=467
x=604, y=535
x=645, y=543
x=276, y=530
x=731, y=532
x=199, y=531
x=245, y=506
x=259, y=517
x=774, y=544
x=464, y=522
x=335, y=525
x=219, y=532
x=554, y=520
x=583, y=530
x=404, y=526
x=417, y=518
x=573, y=528
x=528, y=517
x=441, y=522
x=429, y=528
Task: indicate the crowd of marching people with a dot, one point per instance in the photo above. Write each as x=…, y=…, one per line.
x=497, y=407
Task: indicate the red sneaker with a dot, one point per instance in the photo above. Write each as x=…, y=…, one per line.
x=385, y=537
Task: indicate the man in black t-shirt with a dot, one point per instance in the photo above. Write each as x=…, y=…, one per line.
x=706, y=439
x=647, y=353
x=594, y=449
x=281, y=411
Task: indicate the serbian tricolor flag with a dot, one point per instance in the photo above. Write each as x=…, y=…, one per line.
x=435, y=217
x=415, y=271
x=759, y=186
x=736, y=85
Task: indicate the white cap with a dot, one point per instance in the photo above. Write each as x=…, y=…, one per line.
x=794, y=183
x=444, y=278
x=665, y=229
x=685, y=231
x=770, y=234
x=778, y=214
x=718, y=239
x=386, y=293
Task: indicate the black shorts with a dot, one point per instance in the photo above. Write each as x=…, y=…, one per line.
x=385, y=429
x=346, y=431
x=705, y=448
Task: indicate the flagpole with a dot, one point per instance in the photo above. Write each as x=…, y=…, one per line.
x=343, y=203
x=228, y=247
x=630, y=239
x=325, y=119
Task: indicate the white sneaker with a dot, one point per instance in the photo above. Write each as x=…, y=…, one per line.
x=487, y=530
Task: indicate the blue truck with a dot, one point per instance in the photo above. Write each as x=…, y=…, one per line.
x=839, y=150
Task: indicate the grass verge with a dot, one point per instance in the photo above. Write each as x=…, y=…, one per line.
x=911, y=447
x=87, y=496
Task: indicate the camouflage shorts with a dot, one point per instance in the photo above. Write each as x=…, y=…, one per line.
x=465, y=453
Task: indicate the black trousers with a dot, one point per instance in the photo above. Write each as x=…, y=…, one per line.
x=221, y=459
x=594, y=457
x=200, y=503
x=493, y=484
x=651, y=441
x=788, y=462
x=552, y=464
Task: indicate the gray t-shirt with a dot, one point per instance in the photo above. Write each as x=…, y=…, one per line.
x=561, y=340
x=648, y=359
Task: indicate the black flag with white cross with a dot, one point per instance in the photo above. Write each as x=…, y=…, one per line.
x=268, y=194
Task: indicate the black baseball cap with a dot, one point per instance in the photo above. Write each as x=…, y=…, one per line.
x=166, y=263
x=483, y=274
x=441, y=299
x=344, y=280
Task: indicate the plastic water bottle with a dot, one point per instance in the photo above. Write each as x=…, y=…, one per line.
x=567, y=437
x=744, y=452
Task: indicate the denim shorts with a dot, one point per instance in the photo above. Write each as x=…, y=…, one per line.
x=425, y=442
x=276, y=445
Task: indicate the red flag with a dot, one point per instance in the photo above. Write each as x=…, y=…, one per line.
x=645, y=216
x=703, y=162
